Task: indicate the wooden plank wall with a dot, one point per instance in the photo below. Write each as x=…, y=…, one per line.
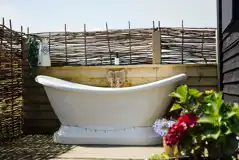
x=230, y=67
x=38, y=113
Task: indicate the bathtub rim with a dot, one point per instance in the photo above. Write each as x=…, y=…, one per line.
x=57, y=83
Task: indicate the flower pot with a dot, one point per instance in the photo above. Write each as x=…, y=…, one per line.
x=167, y=148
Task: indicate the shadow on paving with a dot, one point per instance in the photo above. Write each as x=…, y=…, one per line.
x=33, y=147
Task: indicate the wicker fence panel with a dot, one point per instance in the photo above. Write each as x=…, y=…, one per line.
x=133, y=46
x=11, y=82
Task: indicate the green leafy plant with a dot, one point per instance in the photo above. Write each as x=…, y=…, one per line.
x=219, y=126
x=187, y=99
x=161, y=156
x=33, y=50
x=215, y=134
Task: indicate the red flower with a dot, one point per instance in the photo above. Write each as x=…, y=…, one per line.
x=179, y=128
x=189, y=118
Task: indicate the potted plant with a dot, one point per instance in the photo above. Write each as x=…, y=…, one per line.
x=207, y=126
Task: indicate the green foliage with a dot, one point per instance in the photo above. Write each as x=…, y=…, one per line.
x=161, y=156
x=218, y=124
x=33, y=50
x=186, y=99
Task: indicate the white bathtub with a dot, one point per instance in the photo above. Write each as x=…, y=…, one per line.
x=113, y=116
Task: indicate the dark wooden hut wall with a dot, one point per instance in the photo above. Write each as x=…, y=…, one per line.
x=230, y=67
x=228, y=51
x=39, y=116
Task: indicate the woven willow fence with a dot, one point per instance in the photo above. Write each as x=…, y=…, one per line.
x=133, y=46
x=11, y=82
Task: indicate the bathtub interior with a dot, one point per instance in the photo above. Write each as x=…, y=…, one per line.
x=72, y=86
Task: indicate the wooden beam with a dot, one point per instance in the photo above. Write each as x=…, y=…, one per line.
x=205, y=75
x=156, y=37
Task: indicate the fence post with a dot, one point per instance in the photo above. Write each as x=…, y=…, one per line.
x=12, y=75
x=22, y=77
x=182, y=49
x=108, y=40
x=217, y=54
x=205, y=59
x=1, y=43
x=156, y=44
x=66, y=62
x=49, y=42
x=25, y=52
x=218, y=63
x=130, y=51
x=85, y=44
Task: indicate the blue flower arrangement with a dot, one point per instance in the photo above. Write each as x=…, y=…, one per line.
x=161, y=126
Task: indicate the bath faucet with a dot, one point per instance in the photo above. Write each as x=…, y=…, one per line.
x=116, y=79
x=110, y=78
x=119, y=78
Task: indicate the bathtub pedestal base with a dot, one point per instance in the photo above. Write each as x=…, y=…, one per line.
x=107, y=136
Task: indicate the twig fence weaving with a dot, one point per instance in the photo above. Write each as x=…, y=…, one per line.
x=11, y=82
x=133, y=46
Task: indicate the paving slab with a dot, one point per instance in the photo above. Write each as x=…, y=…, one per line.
x=114, y=153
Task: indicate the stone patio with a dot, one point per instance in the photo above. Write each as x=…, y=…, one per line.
x=110, y=153
x=42, y=147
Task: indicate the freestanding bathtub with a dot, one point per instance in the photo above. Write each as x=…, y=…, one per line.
x=112, y=116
